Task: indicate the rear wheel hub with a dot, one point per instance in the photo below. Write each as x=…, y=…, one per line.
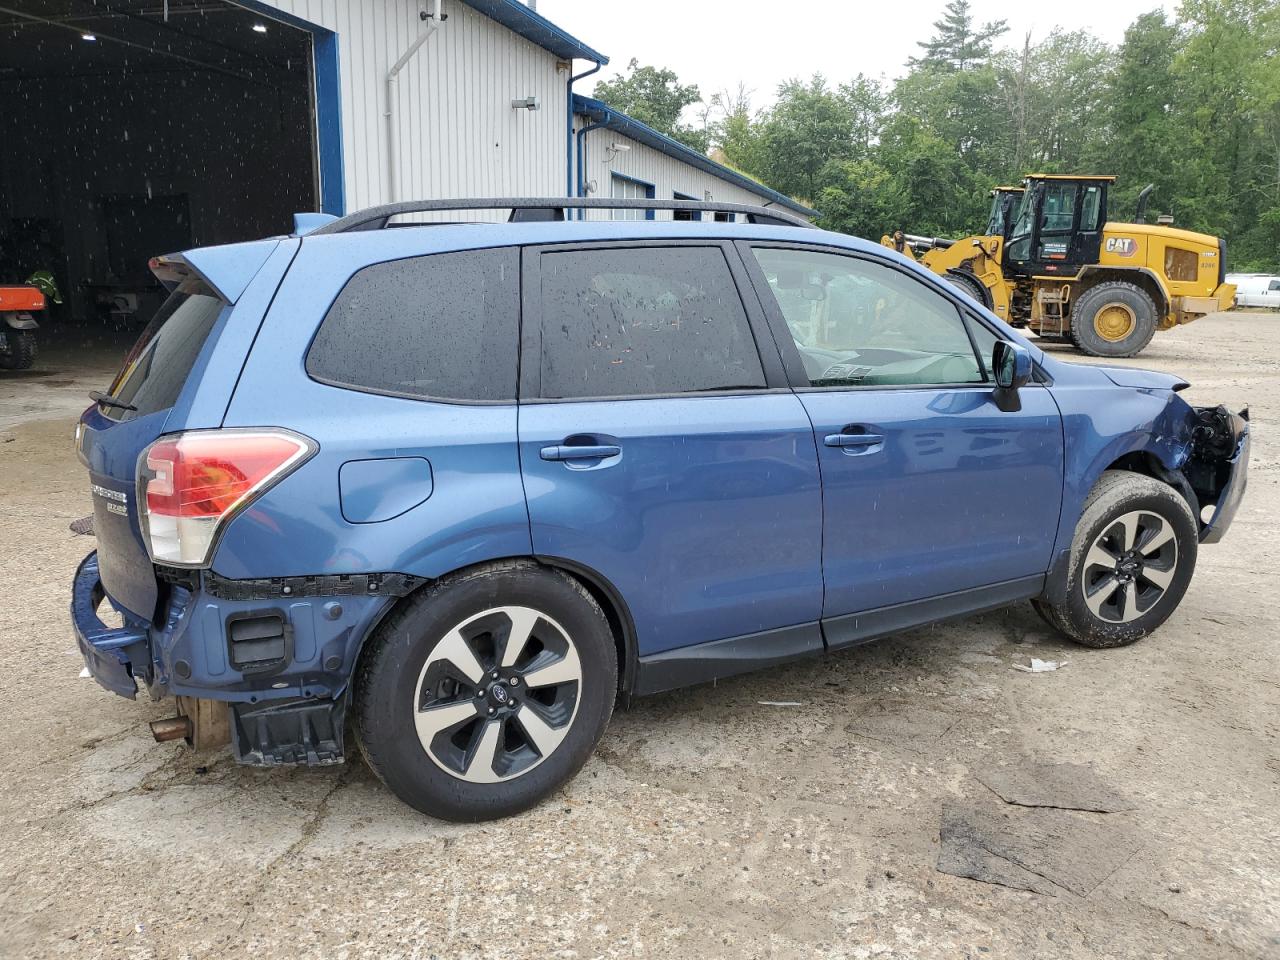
x=1114, y=322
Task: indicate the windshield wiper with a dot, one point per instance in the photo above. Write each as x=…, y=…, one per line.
x=109, y=401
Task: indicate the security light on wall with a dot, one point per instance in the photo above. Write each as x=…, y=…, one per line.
x=526, y=103
x=611, y=152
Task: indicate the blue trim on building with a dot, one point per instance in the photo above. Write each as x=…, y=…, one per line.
x=604, y=115
x=328, y=80
x=531, y=25
x=333, y=188
x=649, y=190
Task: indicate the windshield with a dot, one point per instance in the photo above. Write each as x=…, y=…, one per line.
x=995, y=220
x=1020, y=239
x=157, y=367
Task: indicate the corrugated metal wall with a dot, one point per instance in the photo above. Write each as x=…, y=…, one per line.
x=459, y=136
x=667, y=174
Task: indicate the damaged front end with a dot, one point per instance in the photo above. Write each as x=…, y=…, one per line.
x=1217, y=467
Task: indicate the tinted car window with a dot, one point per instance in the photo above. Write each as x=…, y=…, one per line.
x=157, y=367
x=858, y=323
x=643, y=321
x=443, y=326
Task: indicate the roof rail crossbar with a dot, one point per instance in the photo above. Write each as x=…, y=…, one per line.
x=376, y=218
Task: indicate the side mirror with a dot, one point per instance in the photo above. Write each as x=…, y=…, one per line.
x=1011, y=364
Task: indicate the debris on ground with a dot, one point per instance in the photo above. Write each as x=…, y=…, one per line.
x=780, y=703
x=1040, y=666
x=1063, y=786
x=1045, y=851
x=83, y=527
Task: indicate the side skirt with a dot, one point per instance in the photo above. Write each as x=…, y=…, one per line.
x=705, y=662
x=855, y=628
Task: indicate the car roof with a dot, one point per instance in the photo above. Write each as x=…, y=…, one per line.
x=445, y=236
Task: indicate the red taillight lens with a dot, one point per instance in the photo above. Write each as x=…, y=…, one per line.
x=190, y=483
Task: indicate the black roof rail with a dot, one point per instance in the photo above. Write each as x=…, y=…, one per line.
x=524, y=209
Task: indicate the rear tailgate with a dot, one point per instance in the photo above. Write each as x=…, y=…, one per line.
x=114, y=432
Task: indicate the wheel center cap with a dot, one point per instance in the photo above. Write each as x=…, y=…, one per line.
x=499, y=695
x=1129, y=566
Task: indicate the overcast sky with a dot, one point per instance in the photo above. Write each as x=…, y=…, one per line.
x=716, y=43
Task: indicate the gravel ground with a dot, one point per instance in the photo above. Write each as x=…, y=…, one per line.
x=708, y=824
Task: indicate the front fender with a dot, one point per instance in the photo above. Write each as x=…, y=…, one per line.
x=1105, y=425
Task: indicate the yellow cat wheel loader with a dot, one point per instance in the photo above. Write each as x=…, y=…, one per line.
x=1059, y=267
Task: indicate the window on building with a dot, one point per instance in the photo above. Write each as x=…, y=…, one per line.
x=859, y=323
x=685, y=214
x=627, y=188
x=643, y=321
x=722, y=217
x=443, y=326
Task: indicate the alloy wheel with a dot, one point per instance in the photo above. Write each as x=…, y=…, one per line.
x=497, y=694
x=1129, y=566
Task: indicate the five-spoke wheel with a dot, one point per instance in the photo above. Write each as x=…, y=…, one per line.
x=487, y=690
x=497, y=695
x=1129, y=566
x=1131, y=559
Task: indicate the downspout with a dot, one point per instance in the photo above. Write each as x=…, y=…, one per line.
x=582, y=139
x=393, y=75
x=568, y=129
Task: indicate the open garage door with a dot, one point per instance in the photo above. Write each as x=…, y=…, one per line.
x=138, y=127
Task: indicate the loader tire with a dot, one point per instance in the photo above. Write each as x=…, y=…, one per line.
x=1113, y=319
x=970, y=284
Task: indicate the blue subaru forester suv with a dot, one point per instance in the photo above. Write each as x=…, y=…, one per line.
x=466, y=485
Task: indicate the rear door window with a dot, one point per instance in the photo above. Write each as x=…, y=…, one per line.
x=157, y=367
x=645, y=321
x=439, y=327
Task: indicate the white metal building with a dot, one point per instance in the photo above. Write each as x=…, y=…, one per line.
x=192, y=122
x=465, y=98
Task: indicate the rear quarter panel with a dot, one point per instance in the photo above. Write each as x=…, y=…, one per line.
x=475, y=507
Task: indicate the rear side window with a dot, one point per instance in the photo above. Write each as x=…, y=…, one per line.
x=440, y=327
x=157, y=367
x=641, y=322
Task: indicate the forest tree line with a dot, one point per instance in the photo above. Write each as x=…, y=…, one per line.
x=1190, y=104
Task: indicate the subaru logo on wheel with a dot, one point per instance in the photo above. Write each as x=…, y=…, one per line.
x=499, y=693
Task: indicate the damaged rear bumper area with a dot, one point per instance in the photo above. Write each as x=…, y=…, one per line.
x=270, y=661
x=1218, y=467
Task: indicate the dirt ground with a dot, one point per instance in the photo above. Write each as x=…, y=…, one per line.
x=709, y=823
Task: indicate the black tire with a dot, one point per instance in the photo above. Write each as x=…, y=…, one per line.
x=971, y=285
x=21, y=353
x=1152, y=575
x=403, y=676
x=1095, y=308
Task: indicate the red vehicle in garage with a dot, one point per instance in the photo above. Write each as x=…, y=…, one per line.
x=18, y=327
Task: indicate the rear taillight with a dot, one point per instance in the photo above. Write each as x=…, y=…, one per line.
x=191, y=484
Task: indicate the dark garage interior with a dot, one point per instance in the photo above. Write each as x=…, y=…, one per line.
x=139, y=127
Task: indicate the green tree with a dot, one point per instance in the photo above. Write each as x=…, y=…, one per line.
x=737, y=134
x=956, y=43
x=656, y=97
x=809, y=126
x=1139, y=140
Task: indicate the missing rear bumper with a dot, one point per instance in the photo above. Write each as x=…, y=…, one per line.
x=299, y=731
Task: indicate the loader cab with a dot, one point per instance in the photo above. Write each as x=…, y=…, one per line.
x=1005, y=202
x=1059, y=224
